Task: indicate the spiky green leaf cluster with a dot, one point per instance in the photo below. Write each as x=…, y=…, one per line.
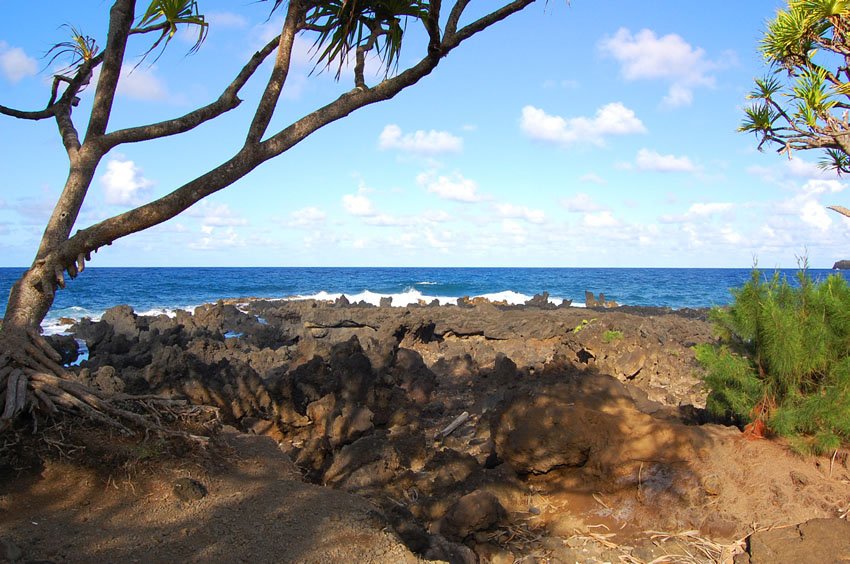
x=78, y=50
x=168, y=15
x=784, y=356
x=806, y=42
x=344, y=25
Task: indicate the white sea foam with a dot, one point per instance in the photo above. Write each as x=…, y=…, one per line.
x=168, y=311
x=508, y=296
x=53, y=327
x=411, y=296
x=426, y=283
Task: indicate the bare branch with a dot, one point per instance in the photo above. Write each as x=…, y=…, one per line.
x=271, y=95
x=120, y=22
x=33, y=115
x=454, y=18
x=228, y=100
x=840, y=209
x=450, y=41
x=70, y=137
x=432, y=25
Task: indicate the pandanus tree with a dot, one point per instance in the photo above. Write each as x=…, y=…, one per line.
x=804, y=103
x=31, y=378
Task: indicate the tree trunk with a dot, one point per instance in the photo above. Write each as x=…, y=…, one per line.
x=28, y=301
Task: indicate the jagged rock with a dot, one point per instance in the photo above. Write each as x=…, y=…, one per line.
x=107, y=380
x=386, y=301
x=540, y=300
x=817, y=540
x=629, y=364
x=476, y=511
x=66, y=346
x=122, y=319
x=321, y=413
x=411, y=374
x=187, y=489
x=370, y=461
x=342, y=301
x=598, y=430
x=442, y=550
x=841, y=265
x=350, y=425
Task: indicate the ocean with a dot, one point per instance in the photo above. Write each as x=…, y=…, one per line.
x=163, y=290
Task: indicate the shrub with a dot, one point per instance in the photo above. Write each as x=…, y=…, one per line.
x=782, y=359
x=611, y=336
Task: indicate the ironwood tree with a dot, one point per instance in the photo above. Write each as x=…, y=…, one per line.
x=804, y=103
x=343, y=31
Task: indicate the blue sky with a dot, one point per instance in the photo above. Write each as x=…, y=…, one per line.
x=588, y=134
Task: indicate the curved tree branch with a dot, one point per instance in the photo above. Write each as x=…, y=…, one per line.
x=252, y=155
x=450, y=41
x=228, y=100
x=120, y=22
x=271, y=95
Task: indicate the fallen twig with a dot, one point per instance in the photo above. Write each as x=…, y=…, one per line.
x=459, y=420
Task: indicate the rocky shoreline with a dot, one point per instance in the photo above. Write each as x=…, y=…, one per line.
x=486, y=432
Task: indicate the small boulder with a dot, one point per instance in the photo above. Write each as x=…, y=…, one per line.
x=817, y=540
x=476, y=511
x=539, y=300
x=187, y=489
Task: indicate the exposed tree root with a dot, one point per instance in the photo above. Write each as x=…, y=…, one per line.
x=32, y=380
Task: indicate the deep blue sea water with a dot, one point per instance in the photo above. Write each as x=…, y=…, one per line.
x=150, y=290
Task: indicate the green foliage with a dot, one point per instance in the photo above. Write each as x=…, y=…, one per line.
x=784, y=359
x=805, y=42
x=79, y=50
x=347, y=24
x=584, y=323
x=612, y=335
x=343, y=25
x=167, y=15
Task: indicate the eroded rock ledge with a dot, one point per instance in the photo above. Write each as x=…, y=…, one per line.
x=575, y=418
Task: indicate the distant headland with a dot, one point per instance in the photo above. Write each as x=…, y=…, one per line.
x=841, y=265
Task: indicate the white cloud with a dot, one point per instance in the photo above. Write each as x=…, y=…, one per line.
x=454, y=187
x=730, y=235
x=644, y=55
x=227, y=238
x=823, y=187
x=650, y=160
x=708, y=208
x=436, y=216
x=123, y=183
x=420, y=142
x=358, y=204
x=814, y=214
x=792, y=168
x=306, y=217
x=601, y=219
x=214, y=215
x=521, y=212
x=580, y=203
x=514, y=229
x=15, y=63
x=440, y=242
x=610, y=119
x=592, y=178
x=139, y=83
x=227, y=20
x=384, y=220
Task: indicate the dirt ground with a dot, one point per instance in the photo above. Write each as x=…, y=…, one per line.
x=583, y=441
